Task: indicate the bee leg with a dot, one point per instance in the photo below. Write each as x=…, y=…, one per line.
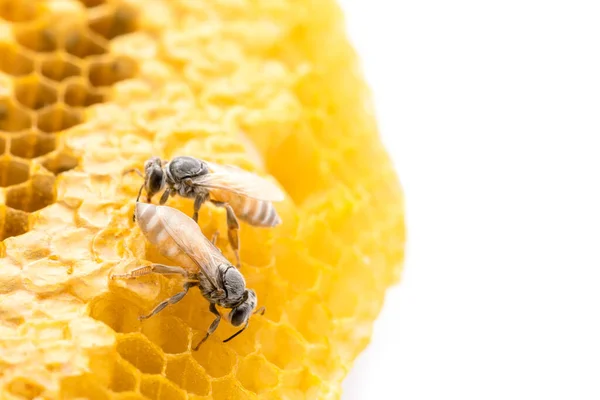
x=151, y=269
x=198, y=201
x=232, y=229
x=213, y=326
x=164, y=197
x=171, y=300
x=138, y=199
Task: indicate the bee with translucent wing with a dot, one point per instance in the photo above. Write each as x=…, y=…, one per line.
x=199, y=261
x=243, y=194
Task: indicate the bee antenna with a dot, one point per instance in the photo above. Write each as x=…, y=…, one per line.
x=237, y=333
x=130, y=170
x=139, y=193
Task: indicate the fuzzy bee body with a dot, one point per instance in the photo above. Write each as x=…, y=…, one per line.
x=254, y=212
x=180, y=239
x=244, y=195
x=152, y=226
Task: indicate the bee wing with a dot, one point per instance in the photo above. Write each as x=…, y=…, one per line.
x=236, y=180
x=187, y=235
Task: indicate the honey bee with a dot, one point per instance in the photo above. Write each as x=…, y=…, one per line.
x=242, y=193
x=199, y=262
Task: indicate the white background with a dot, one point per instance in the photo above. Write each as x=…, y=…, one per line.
x=491, y=112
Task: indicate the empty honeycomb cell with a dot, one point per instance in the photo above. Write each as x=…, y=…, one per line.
x=85, y=386
x=2, y=144
x=59, y=67
x=31, y=145
x=257, y=374
x=141, y=353
x=125, y=377
x=24, y=388
x=39, y=193
x=323, y=361
x=310, y=318
x=256, y=256
x=59, y=162
x=34, y=93
x=230, y=389
x=345, y=306
x=13, y=172
x=272, y=293
x=13, y=118
x=156, y=387
x=245, y=343
x=83, y=44
x=42, y=192
x=169, y=332
x=107, y=71
x=113, y=23
x=57, y=118
x=92, y=3
x=324, y=244
x=38, y=38
x=185, y=372
x=12, y=222
x=303, y=381
x=192, y=309
x=276, y=337
x=77, y=93
x=13, y=61
x=216, y=357
x=6, y=85
x=115, y=311
x=18, y=11
x=303, y=279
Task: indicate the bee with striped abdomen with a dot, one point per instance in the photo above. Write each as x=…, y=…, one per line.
x=199, y=262
x=243, y=194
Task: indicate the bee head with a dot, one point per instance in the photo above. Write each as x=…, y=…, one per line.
x=155, y=176
x=152, y=164
x=242, y=312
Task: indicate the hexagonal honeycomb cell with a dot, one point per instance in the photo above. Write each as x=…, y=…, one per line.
x=32, y=144
x=14, y=117
x=50, y=68
x=14, y=60
x=90, y=88
x=77, y=93
x=17, y=11
x=35, y=93
x=13, y=172
x=59, y=67
x=186, y=373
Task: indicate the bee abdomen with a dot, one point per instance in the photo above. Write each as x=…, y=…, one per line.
x=258, y=213
x=152, y=227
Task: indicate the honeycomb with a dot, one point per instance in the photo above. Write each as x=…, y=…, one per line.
x=91, y=88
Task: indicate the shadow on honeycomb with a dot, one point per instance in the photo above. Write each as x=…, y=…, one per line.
x=49, y=73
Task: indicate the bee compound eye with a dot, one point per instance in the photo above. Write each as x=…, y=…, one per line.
x=237, y=316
